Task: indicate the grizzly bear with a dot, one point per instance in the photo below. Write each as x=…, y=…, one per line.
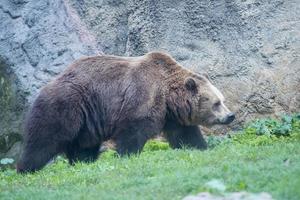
x=124, y=99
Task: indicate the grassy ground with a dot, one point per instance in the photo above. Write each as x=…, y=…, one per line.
x=259, y=164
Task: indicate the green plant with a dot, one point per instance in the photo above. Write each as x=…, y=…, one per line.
x=283, y=127
x=266, y=131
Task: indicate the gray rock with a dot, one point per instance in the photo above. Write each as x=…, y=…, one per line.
x=38, y=39
x=250, y=48
x=230, y=196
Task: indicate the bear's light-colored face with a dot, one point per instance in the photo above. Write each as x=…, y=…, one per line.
x=207, y=102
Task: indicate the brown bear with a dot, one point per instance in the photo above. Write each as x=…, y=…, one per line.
x=125, y=99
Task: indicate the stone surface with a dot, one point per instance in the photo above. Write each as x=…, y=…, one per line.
x=250, y=48
x=230, y=196
x=38, y=39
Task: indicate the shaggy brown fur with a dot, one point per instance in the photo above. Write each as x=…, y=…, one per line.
x=126, y=99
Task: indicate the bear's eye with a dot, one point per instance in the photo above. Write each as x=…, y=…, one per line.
x=216, y=105
x=203, y=99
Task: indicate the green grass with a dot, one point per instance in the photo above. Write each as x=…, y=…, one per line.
x=162, y=173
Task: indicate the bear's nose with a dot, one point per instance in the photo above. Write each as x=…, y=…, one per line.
x=230, y=117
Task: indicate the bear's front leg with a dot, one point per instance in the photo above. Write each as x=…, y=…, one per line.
x=131, y=136
x=180, y=136
x=76, y=154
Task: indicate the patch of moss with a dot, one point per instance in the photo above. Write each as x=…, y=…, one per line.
x=10, y=108
x=155, y=145
x=6, y=96
x=8, y=140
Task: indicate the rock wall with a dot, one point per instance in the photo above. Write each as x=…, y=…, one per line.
x=38, y=39
x=250, y=48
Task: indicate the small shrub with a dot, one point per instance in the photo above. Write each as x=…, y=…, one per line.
x=6, y=163
x=266, y=131
x=109, y=154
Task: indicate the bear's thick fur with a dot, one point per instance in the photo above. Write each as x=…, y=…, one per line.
x=126, y=99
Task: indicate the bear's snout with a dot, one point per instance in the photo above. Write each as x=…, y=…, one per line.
x=228, y=119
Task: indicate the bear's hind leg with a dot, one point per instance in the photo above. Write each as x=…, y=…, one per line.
x=36, y=156
x=180, y=136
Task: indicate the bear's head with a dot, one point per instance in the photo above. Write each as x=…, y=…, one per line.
x=206, y=101
x=199, y=102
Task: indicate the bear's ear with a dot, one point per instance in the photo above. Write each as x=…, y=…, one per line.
x=190, y=84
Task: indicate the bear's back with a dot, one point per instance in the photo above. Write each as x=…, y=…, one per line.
x=153, y=66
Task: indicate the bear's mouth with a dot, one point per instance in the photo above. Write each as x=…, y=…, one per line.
x=209, y=122
x=227, y=120
x=220, y=121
